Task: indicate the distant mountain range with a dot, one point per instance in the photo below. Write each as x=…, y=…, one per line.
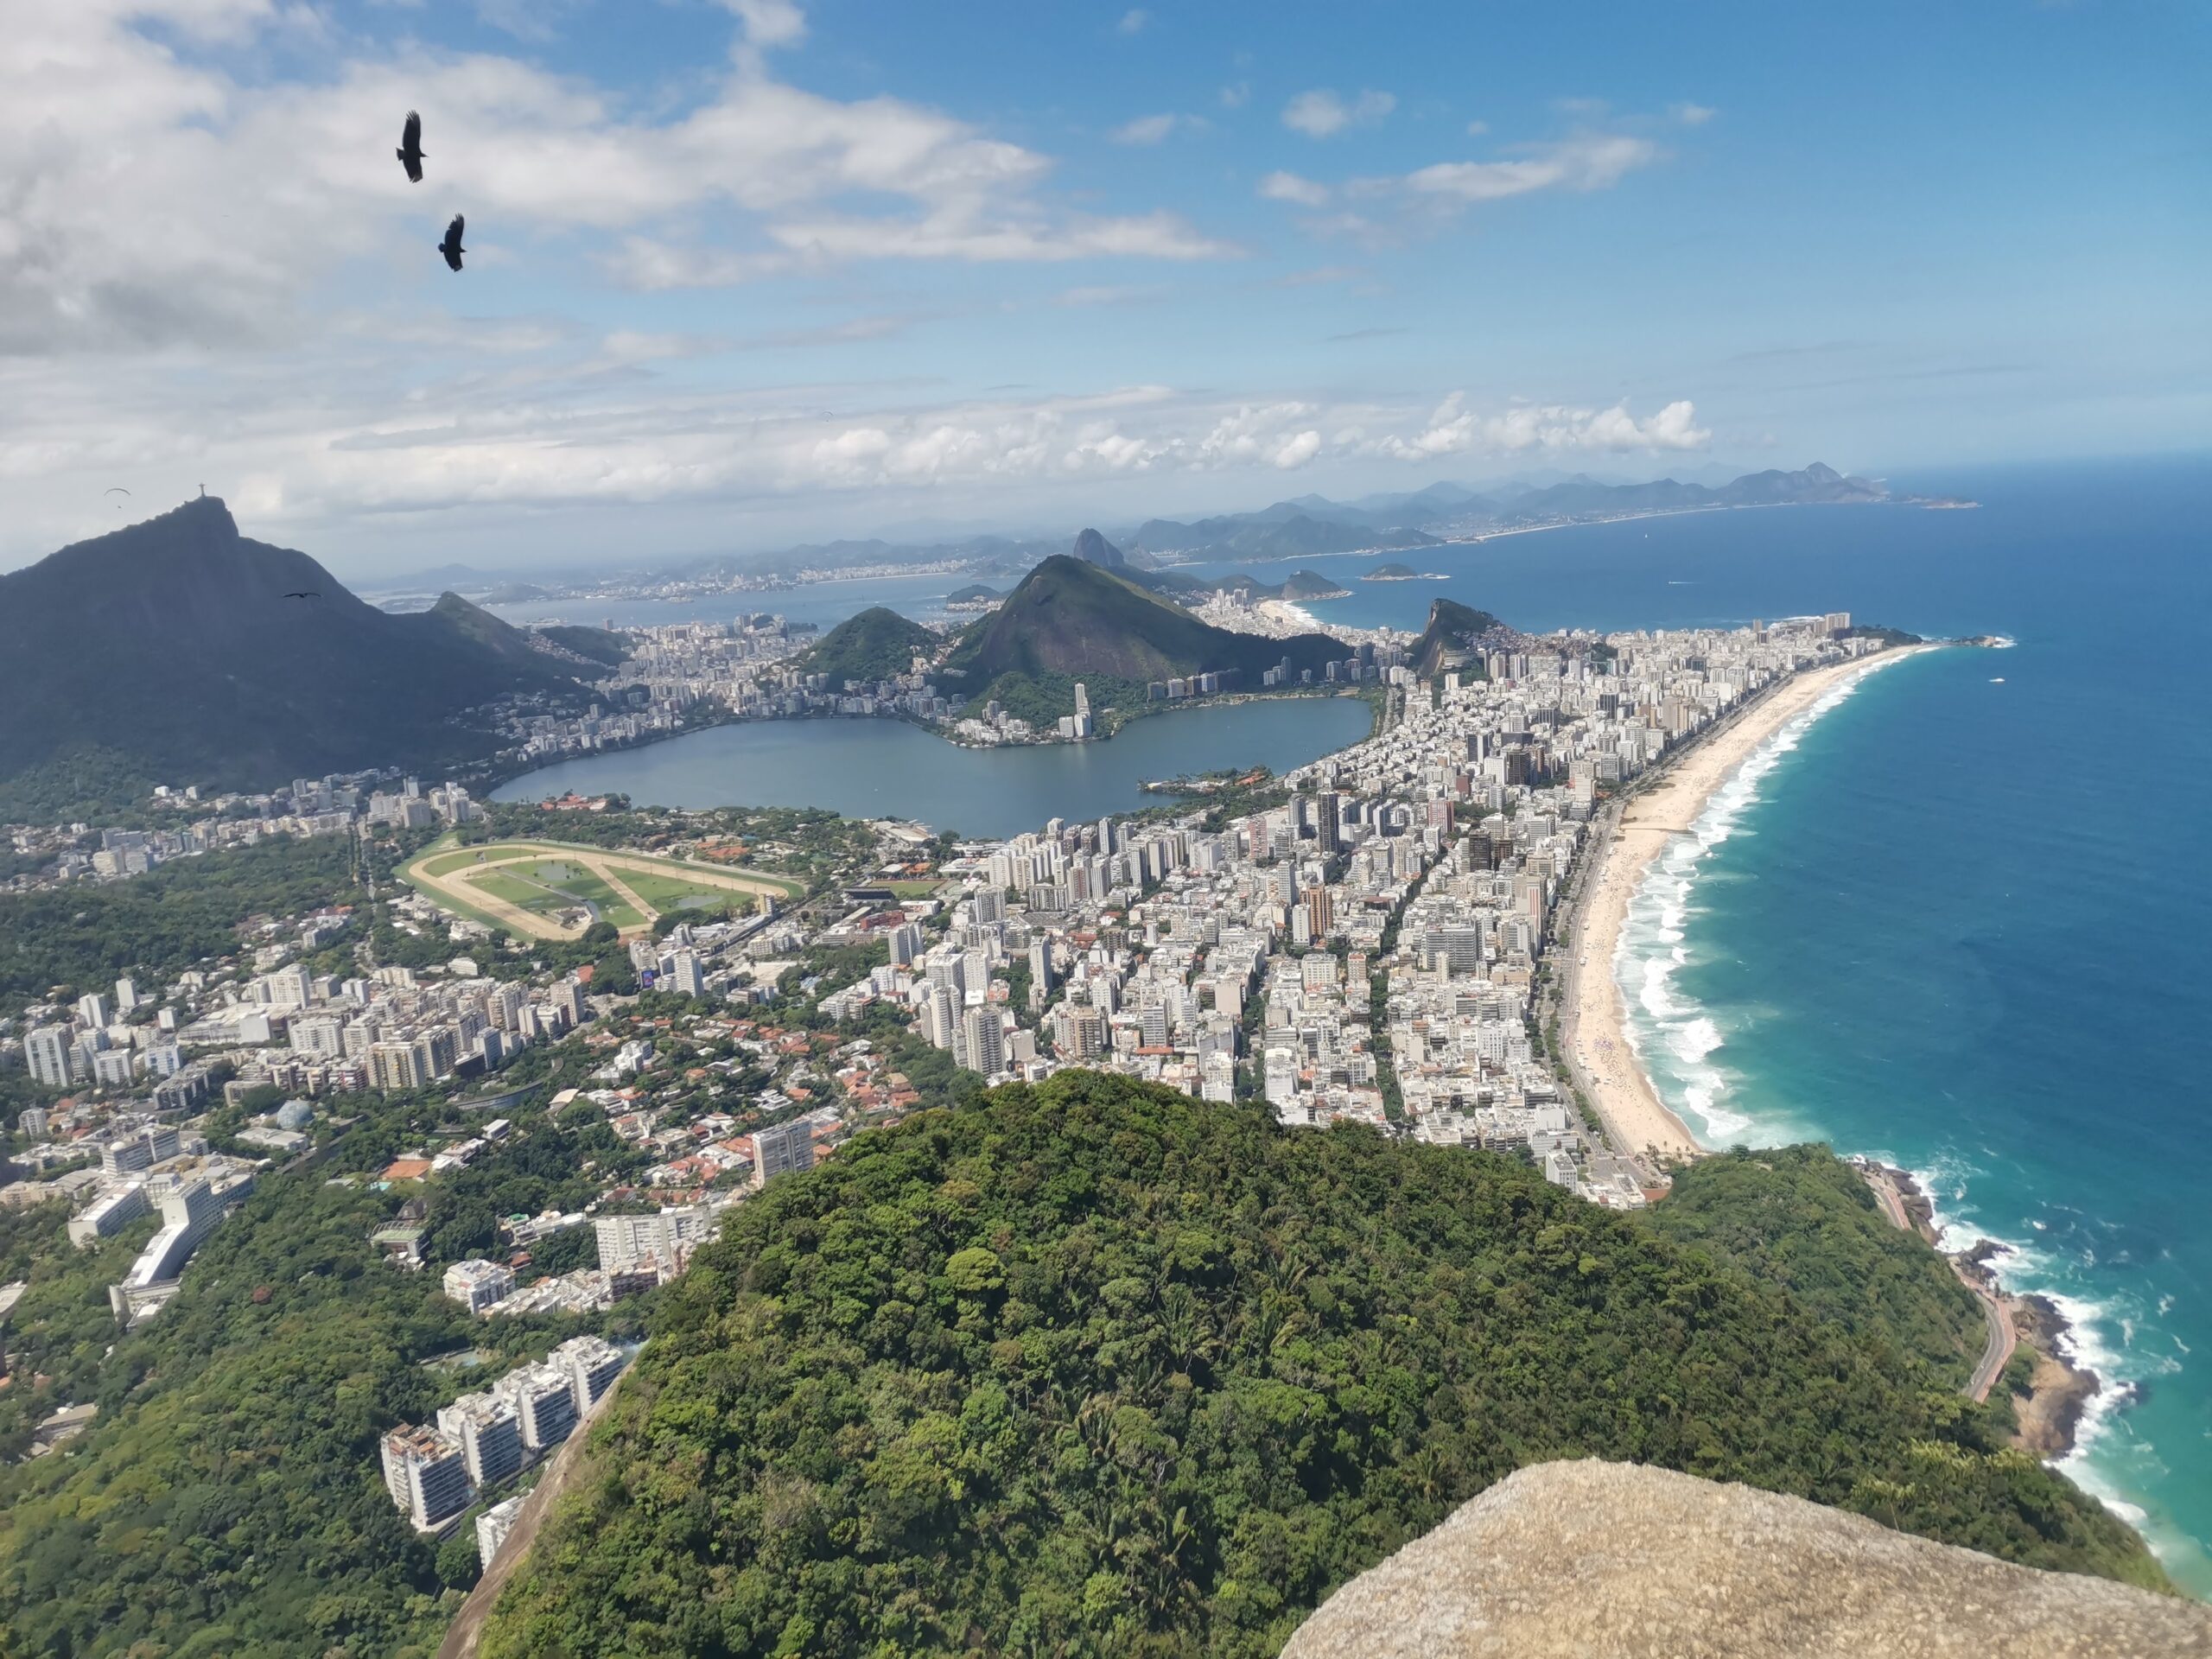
x=1306, y=526
x=1310, y=525
x=169, y=653
x=1274, y=534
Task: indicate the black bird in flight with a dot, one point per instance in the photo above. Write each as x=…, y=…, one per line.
x=410, y=148
x=311, y=594
x=451, y=246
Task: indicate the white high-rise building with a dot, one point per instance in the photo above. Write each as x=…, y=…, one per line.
x=662, y=1241
x=784, y=1150
x=427, y=1476
x=478, y=1284
x=593, y=1363
x=544, y=1399
x=45, y=1049
x=493, y=1526
x=126, y=996
x=680, y=973
x=986, y=1034
x=489, y=1433
x=92, y=1008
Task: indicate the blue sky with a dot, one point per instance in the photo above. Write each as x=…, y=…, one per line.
x=746, y=272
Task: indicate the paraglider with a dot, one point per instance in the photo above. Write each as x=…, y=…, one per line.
x=410, y=148
x=451, y=246
x=309, y=594
x=116, y=489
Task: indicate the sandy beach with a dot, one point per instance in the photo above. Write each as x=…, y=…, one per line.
x=1592, y=1021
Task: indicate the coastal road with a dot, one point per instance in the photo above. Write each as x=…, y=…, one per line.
x=1997, y=1353
x=2002, y=1339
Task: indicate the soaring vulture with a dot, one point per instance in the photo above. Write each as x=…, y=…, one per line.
x=410, y=148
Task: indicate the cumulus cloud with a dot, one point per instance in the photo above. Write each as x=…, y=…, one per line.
x=152, y=199
x=1289, y=186
x=1274, y=434
x=1693, y=115
x=1453, y=429
x=1133, y=21
x=1323, y=114
x=770, y=22
x=1145, y=129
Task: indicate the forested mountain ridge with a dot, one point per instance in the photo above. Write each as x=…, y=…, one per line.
x=1802, y=1219
x=1094, y=1367
x=1071, y=617
x=875, y=645
x=174, y=650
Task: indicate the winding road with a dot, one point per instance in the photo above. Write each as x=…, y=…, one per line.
x=1997, y=1349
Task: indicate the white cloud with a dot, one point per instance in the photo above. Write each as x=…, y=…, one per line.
x=1453, y=429
x=1107, y=294
x=1133, y=21
x=1476, y=128
x=1236, y=95
x=958, y=233
x=151, y=199
x=770, y=22
x=1289, y=186
x=1322, y=114
x=1270, y=435
x=1145, y=129
x=1585, y=161
x=1692, y=115
x=1392, y=205
x=476, y=435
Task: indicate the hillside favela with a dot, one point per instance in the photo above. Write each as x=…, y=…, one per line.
x=1375, y=844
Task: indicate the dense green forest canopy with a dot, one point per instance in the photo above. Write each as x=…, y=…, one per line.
x=227, y=1503
x=876, y=645
x=1802, y=1219
x=1094, y=1369
x=84, y=936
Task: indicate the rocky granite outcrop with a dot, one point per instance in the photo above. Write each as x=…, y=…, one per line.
x=1600, y=1560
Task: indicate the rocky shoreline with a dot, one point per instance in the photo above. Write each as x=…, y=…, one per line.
x=2058, y=1391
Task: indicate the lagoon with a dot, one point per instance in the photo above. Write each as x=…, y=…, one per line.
x=889, y=769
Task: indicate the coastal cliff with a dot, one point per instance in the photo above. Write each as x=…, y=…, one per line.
x=1562, y=1560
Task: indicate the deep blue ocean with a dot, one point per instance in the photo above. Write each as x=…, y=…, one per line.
x=1963, y=918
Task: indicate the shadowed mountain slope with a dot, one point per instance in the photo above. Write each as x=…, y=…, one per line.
x=168, y=651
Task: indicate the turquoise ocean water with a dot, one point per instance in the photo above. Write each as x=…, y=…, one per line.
x=1961, y=919
x=1964, y=925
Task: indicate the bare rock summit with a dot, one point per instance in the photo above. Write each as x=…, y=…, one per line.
x=1604, y=1561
